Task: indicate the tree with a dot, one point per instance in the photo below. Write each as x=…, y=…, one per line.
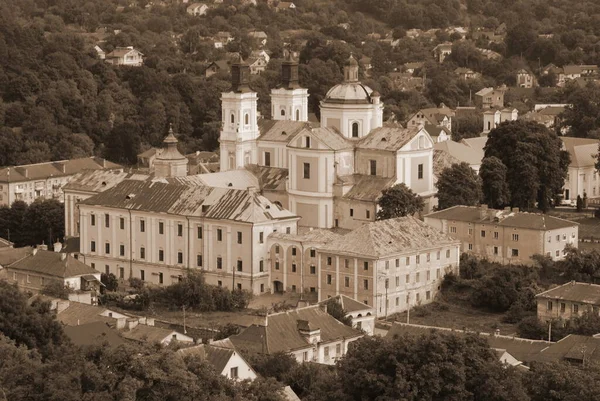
x=535, y=162
x=398, y=201
x=582, y=116
x=334, y=308
x=496, y=193
x=110, y=281
x=562, y=381
x=56, y=289
x=579, y=203
x=458, y=185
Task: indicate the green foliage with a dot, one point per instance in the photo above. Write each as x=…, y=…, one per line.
x=562, y=381
x=466, y=126
x=398, y=201
x=536, y=165
x=56, y=289
x=458, y=185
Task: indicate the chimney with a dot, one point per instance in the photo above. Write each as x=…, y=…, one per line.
x=57, y=246
x=63, y=256
x=34, y=251
x=150, y=321
x=483, y=210
x=142, y=320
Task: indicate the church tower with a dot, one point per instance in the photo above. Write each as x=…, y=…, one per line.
x=289, y=101
x=239, y=126
x=170, y=162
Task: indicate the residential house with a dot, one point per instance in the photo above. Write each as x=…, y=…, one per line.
x=125, y=56
x=490, y=54
x=506, y=236
x=99, y=52
x=260, y=36
x=412, y=67
x=365, y=62
x=309, y=334
x=405, y=81
x=203, y=162
x=285, y=6
x=389, y=264
x=41, y=267
x=223, y=357
x=582, y=177
x=548, y=115
x=362, y=316
x=221, y=39
x=438, y=133
x=525, y=79
x=150, y=334
x=466, y=73
x=574, y=349
x=441, y=51
x=437, y=116
x=574, y=72
x=145, y=160
x=568, y=301
x=510, y=350
x=257, y=65
x=261, y=53
x=462, y=153
x=70, y=313
x=44, y=180
x=488, y=98
x=494, y=117
x=197, y=9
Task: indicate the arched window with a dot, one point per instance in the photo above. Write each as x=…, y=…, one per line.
x=232, y=118
x=297, y=114
x=282, y=112
x=246, y=119
x=354, y=130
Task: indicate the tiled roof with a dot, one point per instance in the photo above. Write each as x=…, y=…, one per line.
x=101, y=180
x=573, y=348
x=280, y=130
x=270, y=178
x=217, y=356
x=436, y=130
x=51, y=264
x=389, y=237
x=533, y=221
x=281, y=332
x=366, y=188
x=11, y=255
x=348, y=304
x=388, y=138
x=477, y=143
x=188, y=196
x=121, y=52
x=96, y=333
x=461, y=152
x=77, y=314
x=147, y=334
x=234, y=179
x=332, y=138
x=524, y=350
x=574, y=292
x=583, y=151
x=30, y=172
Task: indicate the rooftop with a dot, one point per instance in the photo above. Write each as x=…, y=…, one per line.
x=506, y=218
x=366, y=187
x=349, y=92
x=147, y=334
x=96, y=333
x=461, y=152
x=280, y=332
x=348, y=304
x=60, y=265
x=572, y=348
x=308, y=235
x=390, y=138
x=280, y=130
x=574, y=292
x=101, y=180
x=30, y=172
x=583, y=151
x=80, y=314
x=389, y=237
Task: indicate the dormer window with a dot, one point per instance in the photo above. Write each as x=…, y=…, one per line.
x=307, y=142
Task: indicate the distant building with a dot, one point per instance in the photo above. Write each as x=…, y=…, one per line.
x=126, y=56
x=260, y=36
x=441, y=51
x=526, y=79
x=147, y=334
x=462, y=153
x=582, y=177
x=568, y=301
x=574, y=72
x=437, y=116
x=285, y=6
x=197, y=9
x=466, y=73
x=506, y=236
x=101, y=54
x=309, y=334
x=43, y=180
x=488, y=98
x=574, y=349
x=361, y=315
x=216, y=67
x=494, y=117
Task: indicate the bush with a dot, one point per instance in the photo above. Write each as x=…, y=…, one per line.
x=56, y=289
x=421, y=311
x=110, y=281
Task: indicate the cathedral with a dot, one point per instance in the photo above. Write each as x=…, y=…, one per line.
x=334, y=171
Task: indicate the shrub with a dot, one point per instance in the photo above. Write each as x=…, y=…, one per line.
x=56, y=289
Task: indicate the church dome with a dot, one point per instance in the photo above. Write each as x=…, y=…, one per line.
x=349, y=92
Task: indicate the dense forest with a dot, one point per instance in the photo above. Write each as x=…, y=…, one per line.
x=58, y=100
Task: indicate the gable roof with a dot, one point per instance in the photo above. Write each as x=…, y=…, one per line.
x=525, y=350
x=38, y=171
x=306, y=234
x=215, y=354
x=11, y=255
x=348, y=304
x=280, y=130
x=583, y=151
x=101, y=180
x=52, y=264
x=390, y=138
x=389, y=237
x=366, y=188
x=575, y=292
x=95, y=333
x=506, y=218
x=573, y=348
x=460, y=152
x=148, y=334
x=281, y=331
x=441, y=160
x=122, y=52
x=477, y=143
x=79, y=314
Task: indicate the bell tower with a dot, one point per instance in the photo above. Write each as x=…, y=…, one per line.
x=239, y=126
x=289, y=101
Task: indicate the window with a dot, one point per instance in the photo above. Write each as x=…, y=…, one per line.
x=470, y=247
x=199, y=234
x=293, y=288
x=219, y=283
x=142, y=226
x=160, y=278
x=329, y=279
x=470, y=231
x=558, y=238
x=246, y=119
x=420, y=171
x=93, y=246
x=297, y=115
x=418, y=278
x=407, y=261
x=179, y=257
x=107, y=220
x=397, y=262
x=121, y=250
x=347, y=281
x=351, y=212
x=438, y=273
x=240, y=266
x=549, y=306
x=261, y=238
x=282, y=112
x=261, y=265
x=438, y=255
x=346, y=263
x=575, y=308
x=515, y=252
x=219, y=262
x=429, y=257
x=313, y=269
x=93, y=219
x=239, y=237
x=142, y=253
x=293, y=251
x=373, y=167
x=307, y=141
x=219, y=234
x=447, y=253
x=564, y=237
x=180, y=230
x=122, y=223
x=234, y=371
x=329, y=261
x=306, y=170
x=515, y=237
x=387, y=283
x=338, y=347
x=407, y=278
x=366, y=266
x=293, y=268
x=161, y=255
x=354, y=130
x=121, y=272
x=161, y=227
x=366, y=284
x=557, y=253
x=428, y=295
x=482, y=233
x=313, y=253
x=267, y=159
x=453, y=230
x=277, y=265
x=326, y=352
x=418, y=259
x=305, y=356
x=428, y=275
x=562, y=307
x=496, y=250
x=496, y=235
x=232, y=118
x=288, y=230
x=368, y=214
x=143, y=275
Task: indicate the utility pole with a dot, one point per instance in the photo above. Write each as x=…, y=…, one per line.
x=549, y=330
x=184, y=329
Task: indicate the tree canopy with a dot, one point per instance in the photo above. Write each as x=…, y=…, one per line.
x=398, y=201
x=458, y=185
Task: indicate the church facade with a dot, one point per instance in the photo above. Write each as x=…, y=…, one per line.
x=336, y=170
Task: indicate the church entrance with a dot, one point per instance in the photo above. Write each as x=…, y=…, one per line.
x=278, y=287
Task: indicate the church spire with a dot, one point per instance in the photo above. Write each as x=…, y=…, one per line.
x=289, y=72
x=351, y=70
x=240, y=76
